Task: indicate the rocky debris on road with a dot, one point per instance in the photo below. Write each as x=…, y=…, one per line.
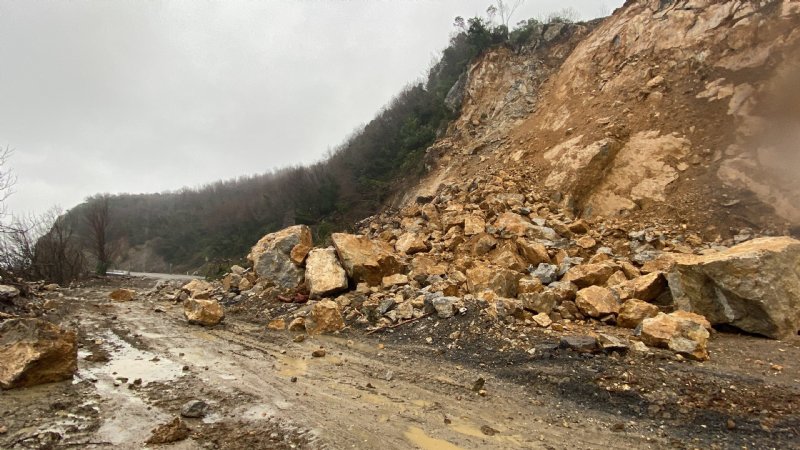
x=494, y=247
x=122, y=295
x=203, y=312
x=173, y=431
x=34, y=351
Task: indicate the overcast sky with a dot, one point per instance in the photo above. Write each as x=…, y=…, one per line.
x=133, y=96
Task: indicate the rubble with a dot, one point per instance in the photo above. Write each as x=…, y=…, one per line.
x=682, y=335
x=122, y=295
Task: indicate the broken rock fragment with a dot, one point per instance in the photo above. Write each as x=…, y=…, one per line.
x=634, y=311
x=684, y=336
x=596, y=301
x=324, y=275
x=325, y=317
x=203, y=312
x=365, y=260
x=122, y=295
x=34, y=351
x=173, y=431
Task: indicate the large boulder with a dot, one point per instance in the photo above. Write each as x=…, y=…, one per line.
x=365, y=260
x=325, y=317
x=754, y=286
x=34, y=351
x=324, y=274
x=278, y=257
x=205, y=312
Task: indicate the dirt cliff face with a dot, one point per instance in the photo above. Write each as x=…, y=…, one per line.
x=676, y=111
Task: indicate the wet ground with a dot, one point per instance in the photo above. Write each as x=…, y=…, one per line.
x=138, y=366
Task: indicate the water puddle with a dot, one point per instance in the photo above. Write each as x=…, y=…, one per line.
x=127, y=361
x=418, y=437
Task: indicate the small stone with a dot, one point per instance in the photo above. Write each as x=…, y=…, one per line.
x=277, y=325
x=478, y=385
x=581, y=344
x=488, y=431
x=122, y=295
x=543, y=320
x=299, y=338
x=293, y=379
x=194, y=409
x=730, y=424
x=318, y=353
x=173, y=431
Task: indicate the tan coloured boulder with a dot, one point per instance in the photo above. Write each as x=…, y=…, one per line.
x=324, y=274
x=34, y=351
x=424, y=266
x=533, y=253
x=231, y=281
x=484, y=278
x=634, y=311
x=681, y=335
x=173, y=431
x=513, y=224
x=648, y=287
x=325, y=317
x=410, y=243
x=397, y=279
x=199, y=289
x=474, y=224
x=754, y=286
x=365, y=260
x=277, y=325
x=596, y=301
x=205, y=312
x=541, y=302
x=586, y=275
x=278, y=257
x=122, y=295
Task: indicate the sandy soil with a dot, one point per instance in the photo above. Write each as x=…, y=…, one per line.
x=138, y=366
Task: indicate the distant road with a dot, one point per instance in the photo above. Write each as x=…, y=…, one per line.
x=156, y=276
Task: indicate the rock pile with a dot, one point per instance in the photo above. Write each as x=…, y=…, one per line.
x=492, y=245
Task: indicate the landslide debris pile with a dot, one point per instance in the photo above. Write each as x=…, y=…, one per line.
x=495, y=254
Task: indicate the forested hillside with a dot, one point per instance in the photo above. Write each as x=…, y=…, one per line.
x=186, y=229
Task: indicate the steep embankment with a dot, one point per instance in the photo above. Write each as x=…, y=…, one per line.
x=668, y=111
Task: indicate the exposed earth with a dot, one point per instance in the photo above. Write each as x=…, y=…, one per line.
x=138, y=366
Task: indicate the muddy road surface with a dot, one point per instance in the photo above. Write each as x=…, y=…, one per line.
x=140, y=362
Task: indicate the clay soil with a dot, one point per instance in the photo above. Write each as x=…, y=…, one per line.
x=395, y=389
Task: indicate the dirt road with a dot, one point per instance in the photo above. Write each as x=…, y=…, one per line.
x=140, y=362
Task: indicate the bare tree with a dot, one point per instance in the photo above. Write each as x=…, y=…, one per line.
x=7, y=182
x=98, y=221
x=506, y=10
x=41, y=247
